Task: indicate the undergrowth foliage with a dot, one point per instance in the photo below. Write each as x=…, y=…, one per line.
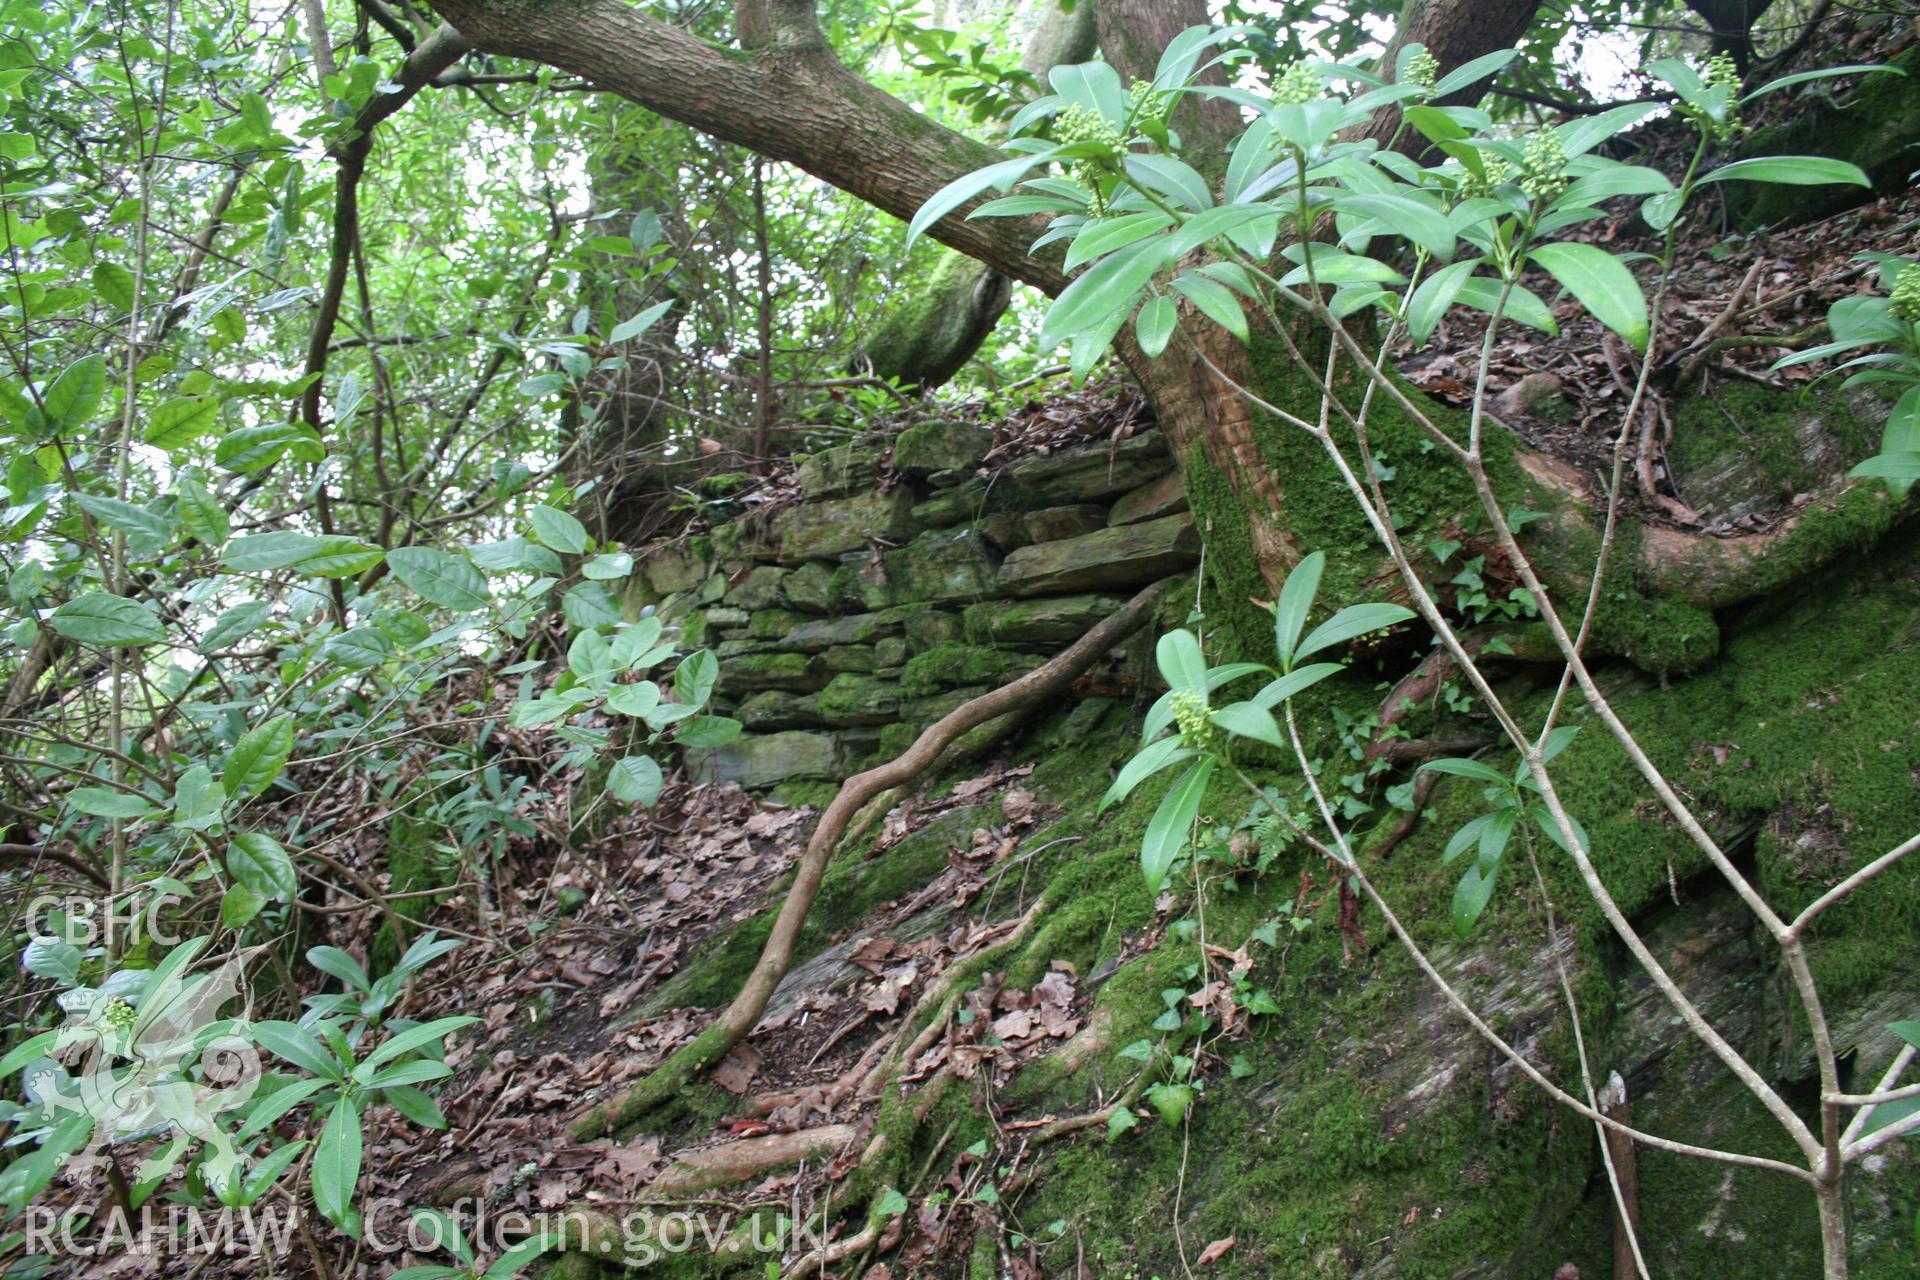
x=1405, y=243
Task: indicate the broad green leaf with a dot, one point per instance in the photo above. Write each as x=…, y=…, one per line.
x=1293, y=683
x=1792, y=171
x=1466, y=837
x=75, y=395
x=1249, y=720
x=516, y=555
x=336, y=1163
x=1154, y=324
x=236, y=624
x=633, y=327
x=240, y=904
x=105, y=802
x=416, y=1106
x=1181, y=663
x=556, y=529
x=1174, y=179
x=997, y=177
x=442, y=578
x=635, y=780
x=1096, y=294
x=1435, y=296
x=694, y=678
x=1093, y=85
x=1146, y=762
x=1468, y=74
x=1355, y=620
x=1900, y=468
x=1522, y=304
x=706, y=732
x=1104, y=235
x=295, y=1044
x=201, y=514
x=590, y=656
x=1295, y=603
x=360, y=648
x=1466, y=769
x=258, y=757
x=1493, y=840
x=1215, y=301
x=258, y=861
x=519, y=1257
x=608, y=568
x=416, y=1038
x=1470, y=898
x=1167, y=831
x=140, y=525
x=108, y=621
x=178, y=423
x=258, y=447
x=198, y=801
x=1603, y=285
x=336, y=963
x=637, y=700
x=1402, y=216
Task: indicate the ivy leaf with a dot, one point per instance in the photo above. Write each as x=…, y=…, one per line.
x=556, y=529
x=635, y=780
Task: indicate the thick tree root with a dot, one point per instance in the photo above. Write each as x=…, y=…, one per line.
x=1019, y=698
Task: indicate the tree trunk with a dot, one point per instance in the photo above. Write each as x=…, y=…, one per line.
x=925, y=342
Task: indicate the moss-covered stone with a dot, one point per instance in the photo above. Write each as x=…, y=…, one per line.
x=853, y=699
x=817, y=635
x=949, y=507
x=1163, y=497
x=772, y=624
x=1125, y=556
x=853, y=657
x=759, y=760
x=1051, y=524
x=673, y=567
x=941, y=566
x=777, y=709
x=1044, y=624
x=822, y=530
x=940, y=445
x=948, y=665
x=760, y=589
x=749, y=672
x=927, y=628
x=808, y=588
x=842, y=470
x=1087, y=473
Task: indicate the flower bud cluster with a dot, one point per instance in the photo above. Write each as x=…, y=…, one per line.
x=1298, y=84
x=1543, y=169
x=1196, y=726
x=1422, y=69
x=1906, y=293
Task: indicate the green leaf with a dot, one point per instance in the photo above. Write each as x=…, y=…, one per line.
x=236, y=624
x=515, y=555
x=200, y=512
x=1908, y=1031
x=1468, y=74
x=1603, y=285
x=416, y=1106
x=996, y=177
x=105, y=802
x=1181, y=663
x=1107, y=287
x=257, y=447
x=336, y=1163
x=1901, y=468
x=1104, y=235
x=1292, y=683
x=178, y=423
x=1215, y=301
x=138, y=523
x=1435, y=296
x=113, y=282
x=1120, y=1121
x=632, y=328
x=707, y=732
x=1801, y=77
x=1249, y=720
x=257, y=861
x=336, y=963
x=1465, y=838
x=1523, y=305
x=1402, y=216
x=1154, y=324
x=694, y=678
x=293, y=1043
x=1173, y=179
x=1493, y=840
x=590, y=604
x=1466, y=769
x=608, y=567
x=518, y=1258
x=75, y=395
x=415, y=1038
x=1093, y=85
x=1792, y=171
x=1470, y=898
x=1146, y=762
x=1355, y=620
x=240, y=904
x=360, y=648
x=1167, y=831
x=108, y=621
x=198, y=801
x=442, y=578
x=258, y=757
x=635, y=780
x=1295, y=603
x=556, y=529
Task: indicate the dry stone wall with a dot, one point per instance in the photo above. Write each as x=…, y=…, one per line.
x=908, y=579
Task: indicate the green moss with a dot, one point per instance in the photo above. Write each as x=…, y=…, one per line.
x=415, y=862
x=726, y=483
x=950, y=664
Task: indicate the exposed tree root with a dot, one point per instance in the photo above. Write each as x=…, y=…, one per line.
x=1010, y=702
x=737, y=1161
